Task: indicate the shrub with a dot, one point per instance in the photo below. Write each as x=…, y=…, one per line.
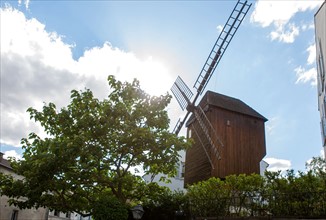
x=108, y=207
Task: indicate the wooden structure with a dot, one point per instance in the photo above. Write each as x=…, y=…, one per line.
x=241, y=130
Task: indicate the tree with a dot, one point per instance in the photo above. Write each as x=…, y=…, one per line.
x=317, y=165
x=92, y=146
x=108, y=207
x=209, y=198
x=236, y=195
x=162, y=203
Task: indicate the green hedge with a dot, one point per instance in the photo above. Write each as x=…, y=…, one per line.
x=289, y=195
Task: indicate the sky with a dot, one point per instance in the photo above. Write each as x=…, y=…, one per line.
x=49, y=48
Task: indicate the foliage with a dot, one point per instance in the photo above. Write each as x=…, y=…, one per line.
x=162, y=203
x=317, y=166
x=288, y=195
x=108, y=207
x=241, y=188
x=302, y=194
x=216, y=197
x=208, y=198
x=91, y=147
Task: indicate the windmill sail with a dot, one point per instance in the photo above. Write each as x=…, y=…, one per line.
x=209, y=132
x=198, y=131
x=183, y=94
x=239, y=12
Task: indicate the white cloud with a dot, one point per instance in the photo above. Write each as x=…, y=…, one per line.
x=272, y=124
x=306, y=76
x=125, y=65
x=311, y=54
x=219, y=28
x=305, y=27
x=12, y=153
x=28, y=38
x=285, y=33
x=278, y=164
x=26, y=3
x=12, y=124
x=309, y=75
x=37, y=66
x=279, y=14
x=269, y=12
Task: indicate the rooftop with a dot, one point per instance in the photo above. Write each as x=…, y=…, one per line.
x=228, y=103
x=4, y=163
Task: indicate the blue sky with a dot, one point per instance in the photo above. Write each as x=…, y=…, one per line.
x=49, y=48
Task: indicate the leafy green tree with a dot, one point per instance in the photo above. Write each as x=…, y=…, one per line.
x=317, y=166
x=162, y=203
x=244, y=193
x=301, y=194
x=92, y=146
x=277, y=188
x=108, y=207
x=209, y=198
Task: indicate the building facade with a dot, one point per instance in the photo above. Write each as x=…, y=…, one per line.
x=176, y=183
x=320, y=40
x=10, y=212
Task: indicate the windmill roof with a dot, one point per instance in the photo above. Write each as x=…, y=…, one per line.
x=4, y=163
x=228, y=103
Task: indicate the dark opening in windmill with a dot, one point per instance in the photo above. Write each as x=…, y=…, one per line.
x=229, y=136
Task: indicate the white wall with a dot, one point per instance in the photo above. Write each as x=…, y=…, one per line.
x=320, y=38
x=6, y=210
x=176, y=182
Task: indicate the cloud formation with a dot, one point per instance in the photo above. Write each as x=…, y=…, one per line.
x=285, y=32
x=306, y=75
x=219, y=28
x=12, y=153
x=278, y=164
x=309, y=75
x=37, y=66
x=278, y=15
x=26, y=3
x=272, y=124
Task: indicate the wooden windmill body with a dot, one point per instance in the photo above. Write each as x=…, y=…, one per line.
x=241, y=130
x=229, y=135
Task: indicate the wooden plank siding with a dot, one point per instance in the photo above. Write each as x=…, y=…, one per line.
x=197, y=165
x=242, y=132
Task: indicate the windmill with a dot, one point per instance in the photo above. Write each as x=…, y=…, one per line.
x=184, y=95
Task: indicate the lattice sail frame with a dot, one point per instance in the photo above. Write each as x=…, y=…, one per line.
x=183, y=94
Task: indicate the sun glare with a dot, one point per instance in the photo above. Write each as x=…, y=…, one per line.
x=155, y=77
